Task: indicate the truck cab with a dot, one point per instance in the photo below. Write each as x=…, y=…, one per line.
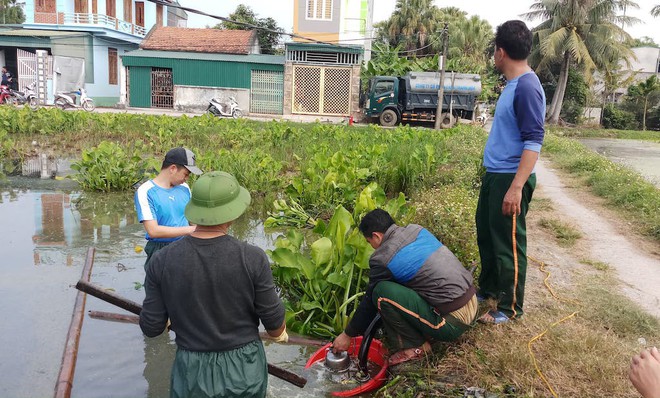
x=383, y=100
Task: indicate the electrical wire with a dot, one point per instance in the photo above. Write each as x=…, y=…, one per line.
x=275, y=31
x=224, y=19
x=538, y=336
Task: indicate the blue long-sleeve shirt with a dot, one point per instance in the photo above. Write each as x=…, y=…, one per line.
x=518, y=124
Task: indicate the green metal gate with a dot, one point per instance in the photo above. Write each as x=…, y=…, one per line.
x=267, y=92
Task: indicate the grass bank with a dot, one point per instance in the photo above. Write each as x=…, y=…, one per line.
x=582, y=132
x=576, y=339
x=586, y=355
x=624, y=189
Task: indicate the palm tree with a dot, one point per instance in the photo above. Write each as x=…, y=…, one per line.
x=655, y=11
x=413, y=24
x=585, y=32
x=470, y=39
x=643, y=92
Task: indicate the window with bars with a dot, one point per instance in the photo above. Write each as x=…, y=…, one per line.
x=112, y=66
x=319, y=10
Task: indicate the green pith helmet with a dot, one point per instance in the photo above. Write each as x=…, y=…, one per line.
x=216, y=199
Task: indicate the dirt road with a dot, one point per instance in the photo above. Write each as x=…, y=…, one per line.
x=636, y=263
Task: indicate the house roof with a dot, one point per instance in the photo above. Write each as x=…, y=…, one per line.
x=249, y=58
x=168, y=38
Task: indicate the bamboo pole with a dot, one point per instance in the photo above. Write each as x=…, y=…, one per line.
x=68, y=367
x=136, y=308
x=109, y=296
x=127, y=318
x=110, y=316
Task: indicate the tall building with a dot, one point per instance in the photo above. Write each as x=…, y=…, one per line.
x=79, y=42
x=335, y=22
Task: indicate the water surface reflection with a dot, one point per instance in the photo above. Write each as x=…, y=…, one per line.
x=46, y=230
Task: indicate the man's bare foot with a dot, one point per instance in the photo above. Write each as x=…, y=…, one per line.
x=409, y=354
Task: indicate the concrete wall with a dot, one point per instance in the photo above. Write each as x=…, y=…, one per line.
x=592, y=115
x=196, y=98
x=288, y=89
x=302, y=24
x=99, y=89
x=355, y=93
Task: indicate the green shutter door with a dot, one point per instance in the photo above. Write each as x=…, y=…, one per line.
x=140, y=86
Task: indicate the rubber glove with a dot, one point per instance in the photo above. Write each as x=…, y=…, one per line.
x=282, y=338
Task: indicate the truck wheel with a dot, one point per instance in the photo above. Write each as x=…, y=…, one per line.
x=388, y=118
x=447, y=121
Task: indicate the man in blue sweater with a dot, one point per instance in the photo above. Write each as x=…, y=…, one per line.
x=510, y=156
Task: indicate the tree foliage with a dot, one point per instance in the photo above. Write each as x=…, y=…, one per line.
x=415, y=27
x=643, y=41
x=645, y=96
x=11, y=13
x=582, y=32
x=268, y=40
x=410, y=40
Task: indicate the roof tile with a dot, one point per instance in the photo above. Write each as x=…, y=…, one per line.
x=167, y=38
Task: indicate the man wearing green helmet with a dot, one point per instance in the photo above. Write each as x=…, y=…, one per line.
x=215, y=290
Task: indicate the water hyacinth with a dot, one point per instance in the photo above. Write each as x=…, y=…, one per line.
x=322, y=282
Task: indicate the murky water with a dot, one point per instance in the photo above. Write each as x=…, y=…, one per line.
x=47, y=228
x=642, y=156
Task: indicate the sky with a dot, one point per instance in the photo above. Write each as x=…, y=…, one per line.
x=494, y=11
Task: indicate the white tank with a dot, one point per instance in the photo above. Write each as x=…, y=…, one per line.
x=429, y=82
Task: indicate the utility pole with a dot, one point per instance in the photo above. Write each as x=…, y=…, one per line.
x=441, y=89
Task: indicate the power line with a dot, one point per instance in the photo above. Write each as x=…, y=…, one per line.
x=224, y=19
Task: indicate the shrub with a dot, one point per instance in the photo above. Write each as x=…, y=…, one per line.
x=109, y=167
x=615, y=118
x=448, y=213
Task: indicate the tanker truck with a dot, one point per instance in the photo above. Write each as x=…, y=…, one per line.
x=414, y=97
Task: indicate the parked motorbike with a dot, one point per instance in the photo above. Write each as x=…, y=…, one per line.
x=64, y=100
x=224, y=109
x=5, y=95
x=27, y=96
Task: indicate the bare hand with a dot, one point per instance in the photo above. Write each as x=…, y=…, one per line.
x=511, y=202
x=341, y=343
x=645, y=373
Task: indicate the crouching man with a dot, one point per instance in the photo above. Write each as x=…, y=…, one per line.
x=421, y=290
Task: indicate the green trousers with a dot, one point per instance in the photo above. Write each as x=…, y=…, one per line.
x=409, y=321
x=152, y=247
x=241, y=372
x=501, y=278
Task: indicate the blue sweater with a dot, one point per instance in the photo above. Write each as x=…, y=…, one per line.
x=518, y=124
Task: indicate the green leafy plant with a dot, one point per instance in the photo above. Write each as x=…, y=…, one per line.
x=291, y=215
x=110, y=167
x=322, y=282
